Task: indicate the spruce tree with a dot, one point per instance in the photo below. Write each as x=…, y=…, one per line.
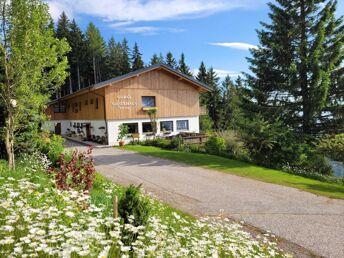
x=136, y=59
x=182, y=67
x=77, y=56
x=171, y=61
x=202, y=77
x=294, y=66
x=96, y=48
x=63, y=32
x=213, y=98
x=227, y=87
x=154, y=60
x=113, y=59
x=125, y=62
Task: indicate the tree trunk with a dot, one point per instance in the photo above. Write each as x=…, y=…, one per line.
x=306, y=112
x=94, y=70
x=9, y=141
x=78, y=72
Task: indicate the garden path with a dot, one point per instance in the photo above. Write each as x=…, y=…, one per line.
x=314, y=222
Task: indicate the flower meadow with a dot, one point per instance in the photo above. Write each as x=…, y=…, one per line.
x=39, y=220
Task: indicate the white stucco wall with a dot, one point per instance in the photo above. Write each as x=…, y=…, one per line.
x=68, y=124
x=114, y=124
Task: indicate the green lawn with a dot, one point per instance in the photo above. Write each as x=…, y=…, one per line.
x=244, y=169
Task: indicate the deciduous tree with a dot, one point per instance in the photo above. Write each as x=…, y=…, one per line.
x=33, y=64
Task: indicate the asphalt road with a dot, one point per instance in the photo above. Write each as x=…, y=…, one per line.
x=314, y=222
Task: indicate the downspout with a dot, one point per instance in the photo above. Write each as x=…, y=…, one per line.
x=105, y=120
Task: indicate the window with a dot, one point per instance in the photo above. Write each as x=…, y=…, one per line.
x=60, y=107
x=91, y=101
x=182, y=124
x=147, y=127
x=133, y=127
x=166, y=126
x=148, y=101
x=96, y=103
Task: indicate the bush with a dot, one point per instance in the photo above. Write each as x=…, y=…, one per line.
x=215, y=145
x=205, y=124
x=332, y=147
x=132, y=207
x=77, y=173
x=235, y=146
x=176, y=142
x=51, y=146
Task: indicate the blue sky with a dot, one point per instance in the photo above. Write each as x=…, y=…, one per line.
x=219, y=32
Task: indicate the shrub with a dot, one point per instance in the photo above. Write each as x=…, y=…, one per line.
x=215, y=145
x=332, y=147
x=195, y=148
x=235, y=146
x=52, y=147
x=77, y=173
x=123, y=131
x=132, y=207
x=176, y=142
x=205, y=124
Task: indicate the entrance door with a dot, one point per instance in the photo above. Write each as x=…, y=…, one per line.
x=58, y=129
x=88, y=132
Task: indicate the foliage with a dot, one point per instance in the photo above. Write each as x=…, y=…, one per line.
x=76, y=173
x=333, y=147
x=235, y=146
x=215, y=145
x=182, y=67
x=133, y=208
x=158, y=142
x=123, y=131
x=171, y=61
x=297, y=73
x=136, y=59
x=205, y=123
x=33, y=64
x=52, y=146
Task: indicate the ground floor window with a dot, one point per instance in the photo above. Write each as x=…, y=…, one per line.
x=182, y=124
x=166, y=126
x=147, y=127
x=132, y=127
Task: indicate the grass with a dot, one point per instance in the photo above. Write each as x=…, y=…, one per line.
x=239, y=168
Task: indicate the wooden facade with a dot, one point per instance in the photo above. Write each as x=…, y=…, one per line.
x=175, y=96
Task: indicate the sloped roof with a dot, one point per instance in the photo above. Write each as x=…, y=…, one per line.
x=135, y=73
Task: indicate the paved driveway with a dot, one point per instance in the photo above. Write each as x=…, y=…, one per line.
x=314, y=222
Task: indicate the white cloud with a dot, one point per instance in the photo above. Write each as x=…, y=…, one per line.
x=221, y=73
x=147, y=30
x=145, y=10
x=235, y=45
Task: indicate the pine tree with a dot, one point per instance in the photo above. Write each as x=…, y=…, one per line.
x=63, y=32
x=294, y=66
x=154, y=60
x=202, y=73
x=136, y=59
x=213, y=98
x=113, y=59
x=202, y=77
x=77, y=56
x=183, y=67
x=125, y=62
x=227, y=87
x=171, y=61
x=96, y=48
x=157, y=59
